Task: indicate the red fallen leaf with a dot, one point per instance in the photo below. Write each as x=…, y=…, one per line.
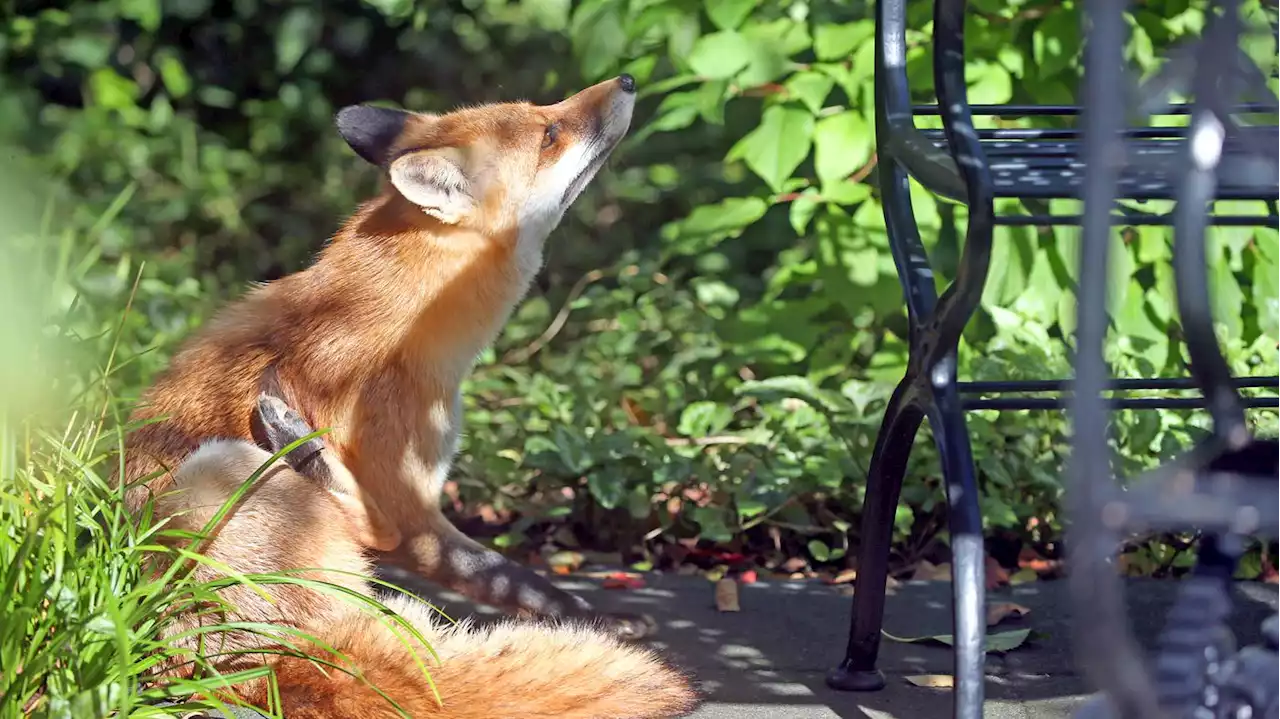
x=623, y=580
x=719, y=556
x=748, y=577
x=1029, y=558
x=1268, y=573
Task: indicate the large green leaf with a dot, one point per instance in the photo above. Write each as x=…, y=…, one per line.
x=720, y=55
x=1266, y=284
x=298, y=31
x=777, y=147
x=707, y=225
x=1135, y=321
x=811, y=88
x=1227, y=298
x=842, y=144
x=836, y=42
x=1055, y=42
x=729, y=14
x=701, y=419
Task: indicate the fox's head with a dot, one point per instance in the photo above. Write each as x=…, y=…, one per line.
x=508, y=169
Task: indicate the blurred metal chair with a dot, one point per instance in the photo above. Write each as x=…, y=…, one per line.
x=1100, y=163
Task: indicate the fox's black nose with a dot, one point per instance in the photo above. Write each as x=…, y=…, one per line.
x=627, y=83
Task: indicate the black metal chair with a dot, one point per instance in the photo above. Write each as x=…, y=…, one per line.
x=975, y=167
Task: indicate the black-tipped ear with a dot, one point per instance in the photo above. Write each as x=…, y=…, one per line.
x=371, y=131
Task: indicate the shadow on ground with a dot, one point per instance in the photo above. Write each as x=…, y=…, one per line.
x=768, y=660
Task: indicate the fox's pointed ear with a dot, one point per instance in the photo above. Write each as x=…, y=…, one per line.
x=435, y=183
x=371, y=131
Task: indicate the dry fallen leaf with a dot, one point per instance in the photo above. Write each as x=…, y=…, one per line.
x=844, y=577
x=933, y=681
x=565, y=561
x=996, y=575
x=727, y=596
x=1000, y=611
x=929, y=572
x=998, y=642
x=1022, y=576
x=793, y=565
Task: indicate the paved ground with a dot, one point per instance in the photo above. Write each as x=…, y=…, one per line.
x=768, y=660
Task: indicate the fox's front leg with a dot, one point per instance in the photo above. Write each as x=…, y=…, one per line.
x=436, y=550
x=446, y=556
x=275, y=425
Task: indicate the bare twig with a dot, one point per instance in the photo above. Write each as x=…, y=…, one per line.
x=523, y=354
x=706, y=441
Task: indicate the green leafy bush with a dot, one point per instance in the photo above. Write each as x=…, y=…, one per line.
x=720, y=323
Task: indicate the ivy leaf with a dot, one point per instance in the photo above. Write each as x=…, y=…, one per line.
x=842, y=144
x=298, y=31
x=608, y=490
x=112, y=91
x=708, y=225
x=729, y=14
x=144, y=12
x=598, y=37
x=176, y=80
x=1133, y=321
x=802, y=209
x=819, y=550
x=711, y=523
x=1226, y=297
x=1040, y=300
x=846, y=192
x=572, y=450
x=777, y=147
x=720, y=55
x=811, y=88
x=836, y=42
x=1120, y=271
x=1055, y=42
x=1012, y=256
x=990, y=84
x=772, y=45
x=775, y=388
x=701, y=419
x=1266, y=290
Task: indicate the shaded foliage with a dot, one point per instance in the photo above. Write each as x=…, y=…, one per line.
x=719, y=325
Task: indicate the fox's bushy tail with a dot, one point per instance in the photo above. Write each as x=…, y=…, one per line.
x=508, y=670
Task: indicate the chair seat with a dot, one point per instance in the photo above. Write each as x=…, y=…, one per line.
x=1040, y=168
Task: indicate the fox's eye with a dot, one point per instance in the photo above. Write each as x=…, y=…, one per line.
x=550, y=136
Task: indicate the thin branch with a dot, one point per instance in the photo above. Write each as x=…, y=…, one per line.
x=728, y=439
x=523, y=354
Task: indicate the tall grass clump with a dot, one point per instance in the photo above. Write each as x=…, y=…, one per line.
x=88, y=592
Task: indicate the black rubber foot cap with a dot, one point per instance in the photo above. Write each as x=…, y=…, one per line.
x=844, y=679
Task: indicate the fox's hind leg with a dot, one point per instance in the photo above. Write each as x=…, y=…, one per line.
x=275, y=425
x=442, y=553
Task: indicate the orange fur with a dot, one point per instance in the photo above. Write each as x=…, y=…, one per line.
x=511, y=669
x=373, y=340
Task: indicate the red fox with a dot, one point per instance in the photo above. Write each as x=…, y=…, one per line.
x=511, y=670
x=373, y=341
